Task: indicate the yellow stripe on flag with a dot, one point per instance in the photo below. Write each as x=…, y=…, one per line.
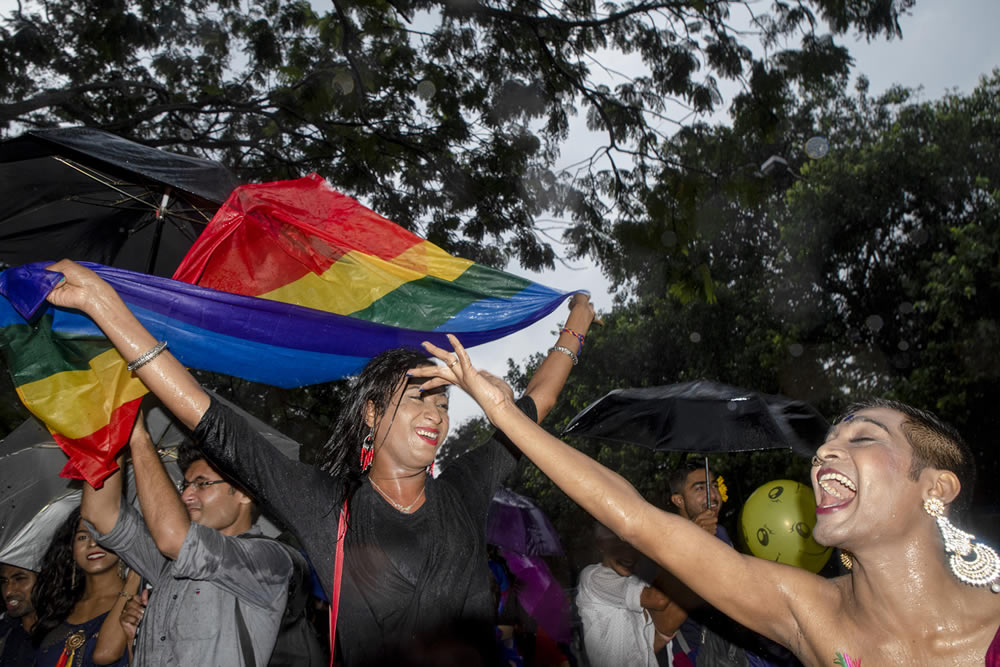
x=78, y=403
x=357, y=279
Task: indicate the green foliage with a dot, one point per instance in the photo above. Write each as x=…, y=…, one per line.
x=447, y=117
x=872, y=271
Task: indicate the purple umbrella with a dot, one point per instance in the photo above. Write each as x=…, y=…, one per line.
x=518, y=525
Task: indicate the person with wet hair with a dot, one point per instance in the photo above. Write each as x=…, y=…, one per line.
x=921, y=590
x=415, y=581
x=78, y=595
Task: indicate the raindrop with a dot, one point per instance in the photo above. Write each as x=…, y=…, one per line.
x=186, y=134
x=426, y=89
x=344, y=81
x=817, y=147
x=695, y=337
x=906, y=308
x=874, y=322
x=669, y=239
x=903, y=346
x=795, y=350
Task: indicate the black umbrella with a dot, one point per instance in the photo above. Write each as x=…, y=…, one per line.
x=702, y=417
x=89, y=195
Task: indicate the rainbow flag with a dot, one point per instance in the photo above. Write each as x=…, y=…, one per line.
x=327, y=284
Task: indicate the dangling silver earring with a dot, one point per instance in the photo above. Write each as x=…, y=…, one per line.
x=122, y=570
x=72, y=578
x=972, y=562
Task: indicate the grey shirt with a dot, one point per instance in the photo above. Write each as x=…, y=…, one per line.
x=191, y=617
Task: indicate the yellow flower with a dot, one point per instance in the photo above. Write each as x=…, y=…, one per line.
x=721, y=483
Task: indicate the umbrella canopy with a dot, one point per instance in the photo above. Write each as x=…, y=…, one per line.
x=702, y=417
x=516, y=524
x=89, y=195
x=34, y=499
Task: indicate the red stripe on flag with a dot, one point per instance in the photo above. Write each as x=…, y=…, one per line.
x=86, y=454
x=311, y=224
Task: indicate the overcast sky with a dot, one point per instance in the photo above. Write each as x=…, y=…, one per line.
x=946, y=45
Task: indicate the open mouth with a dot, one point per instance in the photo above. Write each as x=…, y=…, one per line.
x=429, y=435
x=837, y=490
x=13, y=603
x=96, y=556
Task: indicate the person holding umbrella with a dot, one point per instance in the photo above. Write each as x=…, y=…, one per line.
x=414, y=573
x=921, y=591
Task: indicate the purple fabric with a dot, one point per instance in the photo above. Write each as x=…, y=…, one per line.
x=517, y=524
x=540, y=594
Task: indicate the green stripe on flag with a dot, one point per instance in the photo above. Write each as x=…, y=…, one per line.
x=35, y=352
x=429, y=302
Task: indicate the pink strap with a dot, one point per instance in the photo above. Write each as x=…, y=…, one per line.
x=338, y=567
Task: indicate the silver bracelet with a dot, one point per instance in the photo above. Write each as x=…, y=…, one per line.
x=147, y=356
x=568, y=352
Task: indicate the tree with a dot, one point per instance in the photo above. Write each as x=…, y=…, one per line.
x=872, y=271
x=444, y=116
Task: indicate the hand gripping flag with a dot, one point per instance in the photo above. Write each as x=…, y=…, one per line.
x=316, y=285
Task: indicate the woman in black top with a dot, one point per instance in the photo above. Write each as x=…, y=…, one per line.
x=415, y=576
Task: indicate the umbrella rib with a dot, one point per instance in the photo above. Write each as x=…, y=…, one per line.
x=94, y=175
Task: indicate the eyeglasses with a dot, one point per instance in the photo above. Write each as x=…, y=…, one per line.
x=199, y=484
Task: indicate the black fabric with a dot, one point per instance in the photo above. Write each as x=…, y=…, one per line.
x=414, y=585
x=15, y=644
x=297, y=644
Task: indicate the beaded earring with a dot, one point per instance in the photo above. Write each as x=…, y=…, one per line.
x=972, y=562
x=368, y=450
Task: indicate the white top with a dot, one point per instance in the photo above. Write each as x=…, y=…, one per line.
x=616, y=630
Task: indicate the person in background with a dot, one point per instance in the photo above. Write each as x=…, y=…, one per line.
x=208, y=580
x=626, y=621
x=19, y=617
x=78, y=596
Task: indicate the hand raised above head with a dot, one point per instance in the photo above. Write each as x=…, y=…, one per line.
x=489, y=391
x=80, y=288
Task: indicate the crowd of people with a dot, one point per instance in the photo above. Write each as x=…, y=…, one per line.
x=401, y=555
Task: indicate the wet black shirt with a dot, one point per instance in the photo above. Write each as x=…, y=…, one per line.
x=414, y=585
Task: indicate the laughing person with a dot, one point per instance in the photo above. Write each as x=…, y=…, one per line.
x=921, y=592
x=415, y=574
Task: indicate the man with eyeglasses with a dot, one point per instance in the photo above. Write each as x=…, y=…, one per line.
x=217, y=599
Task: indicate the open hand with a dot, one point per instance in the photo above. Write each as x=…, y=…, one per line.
x=489, y=391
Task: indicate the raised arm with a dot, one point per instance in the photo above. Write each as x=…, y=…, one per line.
x=550, y=377
x=733, y=583
x=166, y=517
x=101, y=506
x=87, y=292
x=113, y=639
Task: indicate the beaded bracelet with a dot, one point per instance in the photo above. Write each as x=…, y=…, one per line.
x=580, y=337
x=568, y=352
x=147, y=356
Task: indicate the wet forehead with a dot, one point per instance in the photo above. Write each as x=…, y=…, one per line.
x=696, y=478
x=886, y=420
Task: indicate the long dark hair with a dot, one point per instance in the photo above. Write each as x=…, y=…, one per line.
x=57, y=590
x=376, y=383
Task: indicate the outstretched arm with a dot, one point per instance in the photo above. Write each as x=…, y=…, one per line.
x=550, y=377
x=87, y=292
x=710, y=567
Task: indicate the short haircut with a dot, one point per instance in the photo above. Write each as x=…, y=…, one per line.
x=679, y=476
x=188, y=453
x=935, y=444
